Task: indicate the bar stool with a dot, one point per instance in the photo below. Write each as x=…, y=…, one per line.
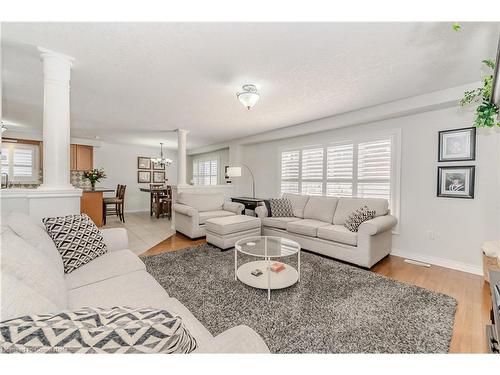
x=118, y=202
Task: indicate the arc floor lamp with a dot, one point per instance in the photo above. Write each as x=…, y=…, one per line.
x=236, y=172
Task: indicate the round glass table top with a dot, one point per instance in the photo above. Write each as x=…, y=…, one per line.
x=267, y=246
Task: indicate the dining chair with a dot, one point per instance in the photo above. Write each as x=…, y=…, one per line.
x=117, y=204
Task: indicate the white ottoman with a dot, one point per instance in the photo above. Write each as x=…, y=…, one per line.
x=224, y=231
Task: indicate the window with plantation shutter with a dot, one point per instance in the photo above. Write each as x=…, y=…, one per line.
x=363, y=167
x=374, y=169
x=290, y=171
x=20, y=162
x=205, y=172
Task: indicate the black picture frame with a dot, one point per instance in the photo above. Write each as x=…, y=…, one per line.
x=468, y=190
x=472, y=144
x=143, y=181
x=145, y=160
x=161, y=179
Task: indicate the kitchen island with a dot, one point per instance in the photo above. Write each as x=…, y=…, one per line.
x=91, y=203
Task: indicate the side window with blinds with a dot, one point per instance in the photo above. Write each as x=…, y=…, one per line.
x=374, y=169
x=19, y=161
x=205, y=172
x=312, y=171
x=290, y=171
x=339, y=170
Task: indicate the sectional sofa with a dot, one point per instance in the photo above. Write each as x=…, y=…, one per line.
x=33, y=282
x=318, y=226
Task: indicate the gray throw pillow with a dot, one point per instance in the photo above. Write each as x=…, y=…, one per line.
x=281, y=207
x=357, y=217
x=96, y=330
x=77, y=238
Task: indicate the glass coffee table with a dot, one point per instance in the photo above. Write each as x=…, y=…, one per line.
x=268, y=250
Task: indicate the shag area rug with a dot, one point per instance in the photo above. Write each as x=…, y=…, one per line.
x=335, y=308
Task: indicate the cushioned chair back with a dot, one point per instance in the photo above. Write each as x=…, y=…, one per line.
x=202, y=202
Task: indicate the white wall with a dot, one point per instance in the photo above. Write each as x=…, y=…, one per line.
x=460, y=225
x=120, y=163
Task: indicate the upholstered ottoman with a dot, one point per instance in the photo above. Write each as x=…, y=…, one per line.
x=224, y=231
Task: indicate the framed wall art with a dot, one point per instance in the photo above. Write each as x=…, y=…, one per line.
x=457, y=145
x=456, y=182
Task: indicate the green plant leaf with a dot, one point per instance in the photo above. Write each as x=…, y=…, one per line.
x=456, y=26
x=489, y=63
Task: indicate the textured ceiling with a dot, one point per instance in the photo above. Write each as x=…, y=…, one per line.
x=133, y=82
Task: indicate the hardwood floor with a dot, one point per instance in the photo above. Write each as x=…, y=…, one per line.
x=471, y=293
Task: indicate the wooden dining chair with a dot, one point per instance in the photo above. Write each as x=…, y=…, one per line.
x=117, y=204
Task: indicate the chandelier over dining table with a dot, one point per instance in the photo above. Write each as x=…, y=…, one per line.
x=162, y=161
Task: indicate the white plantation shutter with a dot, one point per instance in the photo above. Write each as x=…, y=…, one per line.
x=23, y=162
x=290, y=170
x=374, y=169
x=205, y=172
x=5, y=160
x=312, y=171
x=19, y=161
x=339, y=170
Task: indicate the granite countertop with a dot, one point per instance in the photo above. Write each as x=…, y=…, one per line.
x=98, y=190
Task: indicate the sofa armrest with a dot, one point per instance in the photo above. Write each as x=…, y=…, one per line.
x=185, y=209
x=115, y=238
x=261, y=211
x=378, y=225
x=240, y=339
x=235, y=207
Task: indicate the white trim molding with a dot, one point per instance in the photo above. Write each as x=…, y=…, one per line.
x=441, y=262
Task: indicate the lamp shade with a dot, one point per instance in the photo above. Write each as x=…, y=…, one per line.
x=233, y=172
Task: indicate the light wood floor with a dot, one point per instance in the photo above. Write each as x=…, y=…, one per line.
x=471, y=293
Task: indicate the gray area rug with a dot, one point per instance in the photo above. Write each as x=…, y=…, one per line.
x=336, y=308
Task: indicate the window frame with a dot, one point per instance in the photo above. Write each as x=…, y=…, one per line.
x=35, y=167
x=209, y=175
x=395, y=175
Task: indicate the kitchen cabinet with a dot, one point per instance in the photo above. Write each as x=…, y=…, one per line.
x=81, y=158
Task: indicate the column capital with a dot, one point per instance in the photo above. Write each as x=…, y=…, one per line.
x=182, y=131
x=46, y=53
x=56, y=66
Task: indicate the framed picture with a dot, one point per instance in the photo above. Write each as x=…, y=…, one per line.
x=456, y=182
x=457, y=144
x=144, y=177
x=158, y=166
x=143, y=162
x=158, y=177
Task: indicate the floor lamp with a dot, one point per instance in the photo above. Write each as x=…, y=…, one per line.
x=236, y=172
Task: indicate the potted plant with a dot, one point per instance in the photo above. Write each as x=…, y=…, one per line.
x=94, y=176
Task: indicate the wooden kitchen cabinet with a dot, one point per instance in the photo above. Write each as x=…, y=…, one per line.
x=81, y=158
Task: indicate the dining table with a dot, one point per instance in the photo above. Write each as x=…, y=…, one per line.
x=154, y=195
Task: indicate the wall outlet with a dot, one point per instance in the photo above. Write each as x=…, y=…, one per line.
x=431, y=235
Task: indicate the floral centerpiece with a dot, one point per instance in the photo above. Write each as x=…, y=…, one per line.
x=94, y=176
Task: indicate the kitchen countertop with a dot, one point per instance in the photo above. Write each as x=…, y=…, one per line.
x=98, y=190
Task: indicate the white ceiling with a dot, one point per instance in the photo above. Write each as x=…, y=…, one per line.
x=133, y=82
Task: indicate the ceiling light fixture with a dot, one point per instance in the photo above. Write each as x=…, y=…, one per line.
x=249, y=97
x=161, y=161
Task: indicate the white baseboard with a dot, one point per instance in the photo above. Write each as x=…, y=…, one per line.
x=437, y=261
x=132, y=211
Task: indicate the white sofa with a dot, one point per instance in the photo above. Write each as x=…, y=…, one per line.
x=191, y=212
x=318, y=226
x=33, y=282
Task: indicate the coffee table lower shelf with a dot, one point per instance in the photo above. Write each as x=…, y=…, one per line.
x=269, y=280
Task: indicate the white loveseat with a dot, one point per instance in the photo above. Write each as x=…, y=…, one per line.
x=33, y=282
x=318, y=226
x=191, y=212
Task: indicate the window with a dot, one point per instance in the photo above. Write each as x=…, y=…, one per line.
x=205, y=172
x=20, y=162
x=363, y=167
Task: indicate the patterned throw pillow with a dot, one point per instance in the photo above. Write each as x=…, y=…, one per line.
x=281, y=207
x=77, y=239
x=357, y=217
x=97, y=330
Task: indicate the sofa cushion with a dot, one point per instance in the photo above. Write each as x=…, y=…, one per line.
x=18, y=299
x=232, y=224
x=347, y=205
x=281, y=207
x=32, y=267
x=320, y=208
x=358, y=217
x=278, y=222
x=202, y=202
x=205, y=215
x=116, y=263
x=338, y=233
x=298, y=203
x=306, y=227
x=35, y=234
x=93, y=330
x=77, y=239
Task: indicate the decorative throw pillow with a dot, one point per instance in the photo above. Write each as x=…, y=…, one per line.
x=357, y=217
x=281, y=207
x=77, y=239
x=97, y=330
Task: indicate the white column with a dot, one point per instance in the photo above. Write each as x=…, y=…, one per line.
x=181, y=156
x=56, y=120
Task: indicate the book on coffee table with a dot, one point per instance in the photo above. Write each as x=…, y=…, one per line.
x=277, y=267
